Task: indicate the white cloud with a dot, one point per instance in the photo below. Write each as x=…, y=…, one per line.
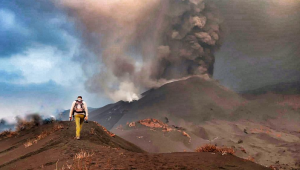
x=43, y=63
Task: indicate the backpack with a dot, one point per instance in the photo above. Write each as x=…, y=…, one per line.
x=78, y=107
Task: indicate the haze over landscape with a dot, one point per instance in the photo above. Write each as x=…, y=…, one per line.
x=188, y=72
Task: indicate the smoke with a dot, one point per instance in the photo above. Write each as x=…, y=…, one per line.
x=146, y=43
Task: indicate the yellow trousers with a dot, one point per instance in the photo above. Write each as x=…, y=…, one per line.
x=79, y=119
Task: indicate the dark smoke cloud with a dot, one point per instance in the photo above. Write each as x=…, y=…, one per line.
x=190, y=39
x=147, y=43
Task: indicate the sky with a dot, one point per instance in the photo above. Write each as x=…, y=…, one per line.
x=42, y=53
x=40, y=60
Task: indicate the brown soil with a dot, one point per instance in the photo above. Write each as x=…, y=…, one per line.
x=58, y=149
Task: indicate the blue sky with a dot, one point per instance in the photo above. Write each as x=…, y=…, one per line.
x=40, y=66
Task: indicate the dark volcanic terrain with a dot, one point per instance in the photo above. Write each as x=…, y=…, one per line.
x=264, y=127
x=99, y=149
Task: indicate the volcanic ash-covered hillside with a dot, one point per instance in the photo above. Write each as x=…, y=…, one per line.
x=52, y=146
x=54, y=143
x=266, y=130
x=194, y=99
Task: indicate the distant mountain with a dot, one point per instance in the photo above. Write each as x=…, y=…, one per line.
x=280, y=88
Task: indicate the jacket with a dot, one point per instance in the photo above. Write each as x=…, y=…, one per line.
x=85, y=109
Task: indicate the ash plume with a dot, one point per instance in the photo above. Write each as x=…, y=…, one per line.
x=145, y=43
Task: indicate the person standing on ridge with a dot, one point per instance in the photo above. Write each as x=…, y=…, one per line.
x=80, y=112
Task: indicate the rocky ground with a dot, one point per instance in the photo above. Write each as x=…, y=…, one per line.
x=53, y=146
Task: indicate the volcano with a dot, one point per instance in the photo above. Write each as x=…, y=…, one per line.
x=185, y=114
x=195, y=99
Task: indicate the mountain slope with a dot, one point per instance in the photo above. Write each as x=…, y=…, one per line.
x=195, y=99
x=280, y=88
x=99, y=150
x=57, y=141
x=110, y=114
x=210, y=113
